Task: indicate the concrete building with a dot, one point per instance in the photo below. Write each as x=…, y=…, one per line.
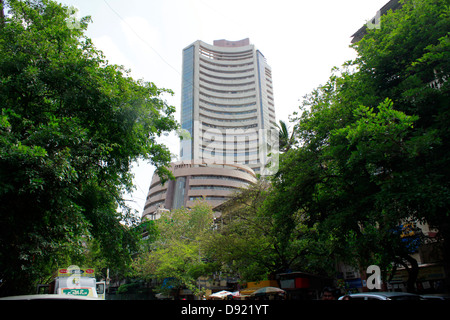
x=375, y=21
x=228, y=117
x=196, y=180
x=227, y=104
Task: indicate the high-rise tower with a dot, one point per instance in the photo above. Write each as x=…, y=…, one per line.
x=228, y=109
x=227, y=104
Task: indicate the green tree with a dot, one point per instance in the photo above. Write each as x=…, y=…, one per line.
x=408, y=61
x=176, y=257
x=71, y=125
x=254, y=244
x=286, y=139
x=374, y=142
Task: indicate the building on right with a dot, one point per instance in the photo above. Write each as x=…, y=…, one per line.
x=375, y=21
x=428, y=254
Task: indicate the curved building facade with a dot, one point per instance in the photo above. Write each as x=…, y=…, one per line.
x=227, y=107
x=196, y=180
x=227, y=103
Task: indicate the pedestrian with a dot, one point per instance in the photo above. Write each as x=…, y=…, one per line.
x=328, y=294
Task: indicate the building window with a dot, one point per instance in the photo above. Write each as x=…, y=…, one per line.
x=187, y=101
x=219, y=178
x=214, y=188
x=178, y=198
x=212, y=198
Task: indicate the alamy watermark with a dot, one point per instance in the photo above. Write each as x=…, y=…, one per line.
x=247, y=146
x=72, y=21
x=374, y=280
x=375, y=22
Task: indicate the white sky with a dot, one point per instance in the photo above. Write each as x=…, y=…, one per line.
x=302, y=41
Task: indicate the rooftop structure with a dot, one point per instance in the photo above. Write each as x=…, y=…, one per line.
x=375, y=21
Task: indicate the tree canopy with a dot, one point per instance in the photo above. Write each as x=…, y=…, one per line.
x=253, y=243
x=373, y=141
x=71, y=125
x=370, y=156
x=175, y=254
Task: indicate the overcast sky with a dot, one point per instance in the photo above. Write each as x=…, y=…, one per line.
x=301, y=40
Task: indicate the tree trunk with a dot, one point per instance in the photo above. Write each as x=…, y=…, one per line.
x=413, y=272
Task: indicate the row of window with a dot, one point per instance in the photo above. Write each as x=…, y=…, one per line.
x=228, y=100
x=228, y=91
x=227, y=105
x=204, y=165
x=229, y=135
x=228, y=127
x=156, y=194
x=229, y=146
x=205, y=117
x=156, y=203
x=238, y=65
x=225, y=56
x=215, y=153
x=208, y=187
x=226, y=71
x=217, y=177
x=227, y=84
x=212, y=198
x=231, y=79
x=227, y=112
x=211, y=52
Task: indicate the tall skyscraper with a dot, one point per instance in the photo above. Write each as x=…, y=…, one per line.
x=227, y=104
x=227, y=107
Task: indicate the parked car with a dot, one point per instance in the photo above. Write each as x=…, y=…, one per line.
x=436, y=297
x=381, y=296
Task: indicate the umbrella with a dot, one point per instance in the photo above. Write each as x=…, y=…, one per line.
x=267, y=290
x=248, y=291
x=220, y=294
x=161, y=296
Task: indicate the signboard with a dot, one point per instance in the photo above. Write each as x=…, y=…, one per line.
x=79, y=291
x=302, y=283
x=426, y=273
x=408, y=230
x=81, y=272
x=355, y=283
x=287, y=284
